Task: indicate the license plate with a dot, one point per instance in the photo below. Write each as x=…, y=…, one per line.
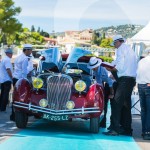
x=55, y=117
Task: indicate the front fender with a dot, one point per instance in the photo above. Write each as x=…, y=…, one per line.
x=22, y=91
x=99, y=97
x=95, y=98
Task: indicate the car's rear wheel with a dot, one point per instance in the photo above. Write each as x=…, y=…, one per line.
x=21, y=119
x=94, y=125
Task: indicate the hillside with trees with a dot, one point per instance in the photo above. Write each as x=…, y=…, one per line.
x=103, y=37
x=127, y=30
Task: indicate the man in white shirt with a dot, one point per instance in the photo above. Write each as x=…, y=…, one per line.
x=21, y=68
x=6, y=79
x=21, y=64
x=143, y=80
x=125, y=65
x=30, y=68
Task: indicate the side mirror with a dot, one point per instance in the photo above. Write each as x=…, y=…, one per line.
x=42, y=58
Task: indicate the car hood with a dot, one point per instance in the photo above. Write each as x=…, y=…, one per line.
x=75, y=54
x=52, y=58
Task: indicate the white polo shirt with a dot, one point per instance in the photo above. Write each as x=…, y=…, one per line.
x=143, y=71
x=20, y=66
x=126, y=62
x=30, y=66
x=5, y=64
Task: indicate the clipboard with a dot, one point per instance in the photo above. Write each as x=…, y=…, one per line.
x=108, y=65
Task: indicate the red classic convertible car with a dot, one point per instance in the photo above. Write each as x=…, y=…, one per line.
x=64, y=89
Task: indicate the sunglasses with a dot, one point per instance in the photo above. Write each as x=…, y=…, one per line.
x=27, y=49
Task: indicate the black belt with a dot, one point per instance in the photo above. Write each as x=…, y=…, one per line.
x=127, y=77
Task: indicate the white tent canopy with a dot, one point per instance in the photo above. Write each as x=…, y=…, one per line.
x=143, y=35
x=141, y=41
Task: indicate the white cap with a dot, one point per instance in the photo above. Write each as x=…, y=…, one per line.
x=116, y=38
x=27, y=46
x=94, y=62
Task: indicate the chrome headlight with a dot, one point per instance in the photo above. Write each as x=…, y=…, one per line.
x=43, y=103
x=80, y=85
x=70, y=104
x=37, y=83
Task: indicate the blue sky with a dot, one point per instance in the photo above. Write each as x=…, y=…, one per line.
x=62, y=15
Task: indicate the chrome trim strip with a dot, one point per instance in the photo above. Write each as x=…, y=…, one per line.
x=53, y=109
x=29, y=106
x=82, y=110
x=56, y=112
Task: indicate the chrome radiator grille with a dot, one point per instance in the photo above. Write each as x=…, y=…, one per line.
x=59, y=91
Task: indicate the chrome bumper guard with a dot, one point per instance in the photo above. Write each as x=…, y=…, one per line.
x=56, y=112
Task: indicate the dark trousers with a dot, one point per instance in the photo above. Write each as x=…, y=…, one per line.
x=144, y=93
x=12, y=116
x=121, y=105
x=14, y=81
x=4, y=98
x=106, y=99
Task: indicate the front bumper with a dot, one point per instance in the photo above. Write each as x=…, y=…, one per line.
x=39, y=109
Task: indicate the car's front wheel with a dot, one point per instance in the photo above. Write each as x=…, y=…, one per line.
x=94, y=125
x=21, y=119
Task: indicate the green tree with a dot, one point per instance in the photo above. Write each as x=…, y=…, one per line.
x=8, y=23
x=29, y=37
x=38, y=30
x=53, y=36
x=103, y=36
x=106, y=59
x=106, y=43
x=45, y=34
x=41, y=32
x=37, y=37
x=32, y=28
x=3, y=39
x=96, y=39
